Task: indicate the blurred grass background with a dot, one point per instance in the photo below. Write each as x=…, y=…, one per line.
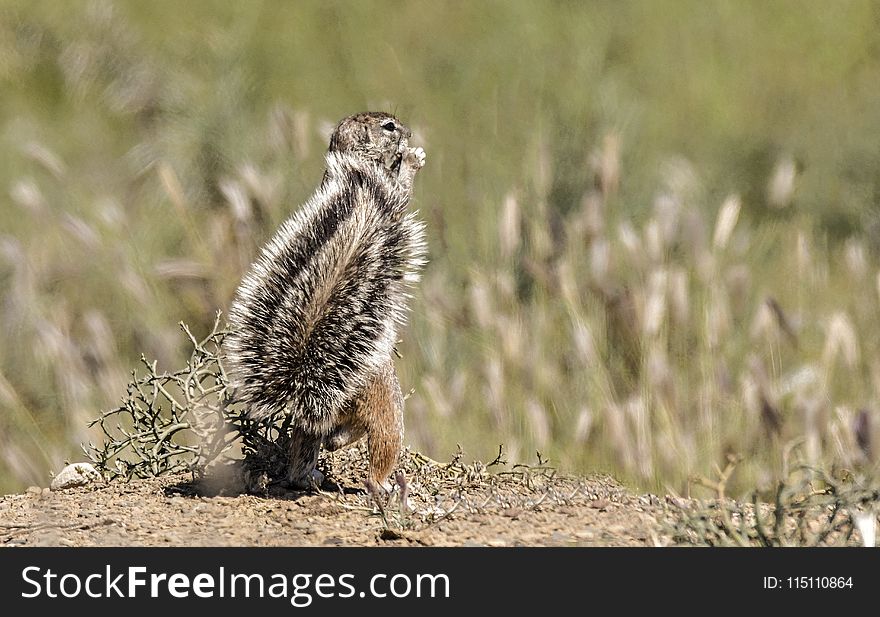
x=654, y=226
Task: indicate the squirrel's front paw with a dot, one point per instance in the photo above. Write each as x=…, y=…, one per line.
x=415, y=157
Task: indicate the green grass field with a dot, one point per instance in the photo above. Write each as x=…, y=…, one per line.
x=654, y=226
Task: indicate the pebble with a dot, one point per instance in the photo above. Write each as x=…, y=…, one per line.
x=77, y=474
x=601, y=504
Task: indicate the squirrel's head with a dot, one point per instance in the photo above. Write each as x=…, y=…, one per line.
x=373, y=135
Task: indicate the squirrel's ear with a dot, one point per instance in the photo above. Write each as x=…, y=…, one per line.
x=346, y=136
x=341, y=138
x=339, y=141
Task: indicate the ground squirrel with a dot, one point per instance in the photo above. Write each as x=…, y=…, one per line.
x=315, y=320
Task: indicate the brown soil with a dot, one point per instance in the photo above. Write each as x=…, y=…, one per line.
x=449, y=505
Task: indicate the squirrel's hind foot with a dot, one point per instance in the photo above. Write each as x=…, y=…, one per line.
x=313, y=480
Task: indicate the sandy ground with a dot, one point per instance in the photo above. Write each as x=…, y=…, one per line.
x=446, y=505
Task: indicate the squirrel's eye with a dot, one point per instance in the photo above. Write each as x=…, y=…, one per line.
x=389, y=125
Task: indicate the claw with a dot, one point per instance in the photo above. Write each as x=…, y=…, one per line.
x=419, y=155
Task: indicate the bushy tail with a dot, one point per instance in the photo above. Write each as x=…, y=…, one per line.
x=318, y=312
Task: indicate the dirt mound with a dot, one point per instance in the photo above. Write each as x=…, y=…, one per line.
x=434, y=504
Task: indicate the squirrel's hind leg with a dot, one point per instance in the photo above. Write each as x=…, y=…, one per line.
x=304, y=450
x=381, y=407
x=377, y=412
x=346, y=433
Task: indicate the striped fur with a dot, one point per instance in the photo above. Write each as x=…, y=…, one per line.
x=318, y=313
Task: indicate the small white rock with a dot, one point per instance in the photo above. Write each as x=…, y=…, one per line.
x=77, y=474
